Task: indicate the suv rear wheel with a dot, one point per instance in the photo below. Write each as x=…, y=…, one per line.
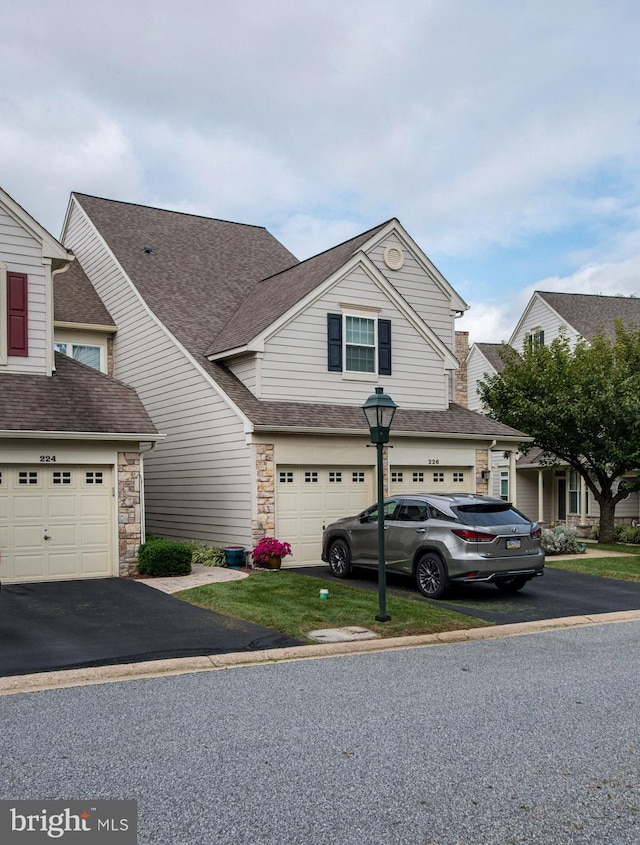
x=340, y=559
x=431, y=576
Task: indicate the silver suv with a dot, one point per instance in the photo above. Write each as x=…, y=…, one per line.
x=439, y=540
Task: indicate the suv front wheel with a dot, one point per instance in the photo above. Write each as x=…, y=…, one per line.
x=340, y=559
x=431, y=576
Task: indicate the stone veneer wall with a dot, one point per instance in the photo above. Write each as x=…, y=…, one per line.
x=460, y=392
x=265, y=523
x=111, y=367
x=482, y=462
x=129, y=512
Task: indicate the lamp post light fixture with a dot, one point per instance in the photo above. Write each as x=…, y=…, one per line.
x=379, y=410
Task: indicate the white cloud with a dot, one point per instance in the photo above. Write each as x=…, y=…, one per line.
x=495, y=322
x=483, y=127
x=50, y=146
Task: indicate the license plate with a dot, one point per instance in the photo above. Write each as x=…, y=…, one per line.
x=514, y=544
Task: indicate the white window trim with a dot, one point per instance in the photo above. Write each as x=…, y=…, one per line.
x=360, y=374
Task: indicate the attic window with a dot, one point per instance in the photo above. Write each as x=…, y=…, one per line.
x=535, y=339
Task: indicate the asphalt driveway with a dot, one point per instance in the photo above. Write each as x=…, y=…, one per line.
x=73, y=624
x=556, y=594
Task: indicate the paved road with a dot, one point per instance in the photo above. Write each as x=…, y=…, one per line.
x=558, y=593
x=530, y=739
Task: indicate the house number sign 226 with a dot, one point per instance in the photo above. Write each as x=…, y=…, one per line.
x=47, y=459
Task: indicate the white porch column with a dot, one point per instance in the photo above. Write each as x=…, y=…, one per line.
x=583, y=502
x=512, y=479
x=540, y=496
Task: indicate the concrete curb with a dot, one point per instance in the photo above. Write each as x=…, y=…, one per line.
x=188, y=665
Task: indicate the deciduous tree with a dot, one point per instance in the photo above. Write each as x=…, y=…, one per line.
x=581, y=405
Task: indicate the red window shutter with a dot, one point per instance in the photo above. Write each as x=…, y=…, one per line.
x=17, y=310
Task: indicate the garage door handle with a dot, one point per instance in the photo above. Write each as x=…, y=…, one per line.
x=47, y=537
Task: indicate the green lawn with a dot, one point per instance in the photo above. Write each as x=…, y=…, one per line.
x=625, y=568
x=291, y=603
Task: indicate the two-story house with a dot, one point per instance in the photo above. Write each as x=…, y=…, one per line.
x=256, y=365
x=551, y=494
x=71, y=438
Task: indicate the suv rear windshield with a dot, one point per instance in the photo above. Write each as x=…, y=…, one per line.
x=490, y=514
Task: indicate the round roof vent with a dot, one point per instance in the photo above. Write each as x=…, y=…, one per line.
x=393, y=257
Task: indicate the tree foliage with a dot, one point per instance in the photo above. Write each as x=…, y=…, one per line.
x=581, y=405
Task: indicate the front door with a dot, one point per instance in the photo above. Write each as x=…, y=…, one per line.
x=562, y=498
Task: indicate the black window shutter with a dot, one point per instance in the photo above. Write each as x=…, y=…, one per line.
x=384, y=347
x=334, y=342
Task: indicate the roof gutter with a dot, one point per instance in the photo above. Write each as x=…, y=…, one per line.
x=355, y=432
x=79, y=435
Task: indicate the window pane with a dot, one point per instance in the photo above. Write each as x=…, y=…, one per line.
x=360, y=330
x=89, y=355
x=360, y=359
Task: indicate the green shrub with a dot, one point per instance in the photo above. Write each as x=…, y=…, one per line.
x=628, y=534
x=206, y=555
x=559, y=541
x=159, y=558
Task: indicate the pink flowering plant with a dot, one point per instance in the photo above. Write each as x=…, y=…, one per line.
x=269, y=547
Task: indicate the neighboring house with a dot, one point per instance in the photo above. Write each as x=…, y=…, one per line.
x=70, y=438
x=553, y=494
x=256, y=366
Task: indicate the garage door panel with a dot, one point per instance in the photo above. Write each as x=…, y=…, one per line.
x=95, y=506
x=63, y=535
x=95, y=562
x=27, y=537
x=94, y=533
x=63, y=506
x=29, y=507
x=28, y=567
x=63, y=564
x=68, y=505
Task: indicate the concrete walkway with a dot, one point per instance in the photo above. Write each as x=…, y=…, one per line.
x=200, y=575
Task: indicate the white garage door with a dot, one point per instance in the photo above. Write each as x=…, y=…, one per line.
x=309, y=496
x=432, y=479
x=55, y=523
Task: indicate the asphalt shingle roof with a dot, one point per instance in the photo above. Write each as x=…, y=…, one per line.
x=75, y=299
x=198, y=270
x=491, y=352
x=273, y=296
x=592, y=314
x=240, y=278
x=75, y=398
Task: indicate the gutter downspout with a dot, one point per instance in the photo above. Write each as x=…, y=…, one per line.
x=143, y=510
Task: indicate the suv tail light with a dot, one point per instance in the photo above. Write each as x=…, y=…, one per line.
x=536, y=532
x=472, y=536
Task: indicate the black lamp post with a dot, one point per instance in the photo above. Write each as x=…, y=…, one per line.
x=379, y=410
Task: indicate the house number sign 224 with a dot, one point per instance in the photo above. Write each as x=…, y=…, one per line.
x=47, y=459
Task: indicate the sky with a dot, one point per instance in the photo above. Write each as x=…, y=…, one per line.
x=505, y=136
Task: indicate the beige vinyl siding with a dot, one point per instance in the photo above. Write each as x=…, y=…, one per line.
x=477, y=368
x=295, y=358
x=246, y=369
x=20, y=252
x=198, y=480
x=540, y=316
x=419, y=289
